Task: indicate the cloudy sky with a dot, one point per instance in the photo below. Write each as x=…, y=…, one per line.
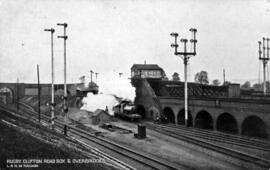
x=109, y=36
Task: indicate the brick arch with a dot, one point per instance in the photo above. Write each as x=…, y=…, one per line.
x=169, y=115
x=181, y=117
x=154, y=113
x=140, y=109
x=226, y=122
x=254, y=126
x=204, y=120
x=6, y=95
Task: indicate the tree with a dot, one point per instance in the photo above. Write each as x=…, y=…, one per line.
x=175, y=77
x=259, y=87
x=216, y=82
x=82, y=79
x=202, y=77
x=246, y=85
x=267, y=86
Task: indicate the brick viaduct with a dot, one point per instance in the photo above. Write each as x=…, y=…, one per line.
x=9, y=92
x=222, y=108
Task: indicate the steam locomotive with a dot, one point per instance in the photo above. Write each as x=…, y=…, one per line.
x=126, y=110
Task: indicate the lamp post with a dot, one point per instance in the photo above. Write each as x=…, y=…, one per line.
x=52, y=88
x=264, y=59
x=65, y=37
x=185, y=56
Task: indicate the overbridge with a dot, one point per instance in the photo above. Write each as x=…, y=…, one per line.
x=222, y=108
x=10, y=92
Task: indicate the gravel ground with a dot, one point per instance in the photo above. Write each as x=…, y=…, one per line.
x=159, y=145
x=23, y=140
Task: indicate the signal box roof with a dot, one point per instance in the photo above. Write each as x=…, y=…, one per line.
x=145, y=67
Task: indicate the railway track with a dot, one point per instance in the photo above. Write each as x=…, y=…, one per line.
x=189, y=138
x=246, y=139
x=89, y=152
x=143, y=158
x=219, y=137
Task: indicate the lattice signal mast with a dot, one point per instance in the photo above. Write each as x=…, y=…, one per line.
x=52, y=89
x=185, y=55
x=264, y=59
x=65, y=37
x=91, y=72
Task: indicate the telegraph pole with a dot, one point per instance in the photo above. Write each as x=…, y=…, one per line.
x=264, y=59
x=223, y=76
x=38, y=93
x=185, y=56
x=17, y=90
x=65, y=37
x=52, y=88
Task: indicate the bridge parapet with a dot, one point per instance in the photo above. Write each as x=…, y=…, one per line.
x=220, y=108
x=10, y=92
x=176, y=89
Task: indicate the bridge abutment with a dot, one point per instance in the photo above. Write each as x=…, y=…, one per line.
x=175, y=111
x=239, y=129
x=214, y=124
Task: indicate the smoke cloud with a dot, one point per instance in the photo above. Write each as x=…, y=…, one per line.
x=111, y=92
x=99, y=101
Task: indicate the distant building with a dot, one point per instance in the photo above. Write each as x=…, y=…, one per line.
x=82, y=90
x=100, y=117
x=152, y=71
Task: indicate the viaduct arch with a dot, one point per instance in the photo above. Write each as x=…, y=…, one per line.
x=169, y=114
x=254, y=126
x=204, y=120
x=246, y=122
x=224, y=108
x=226, y=122
x=6, y=95
x=181, y=117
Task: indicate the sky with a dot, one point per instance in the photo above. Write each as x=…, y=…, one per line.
x=109, y=36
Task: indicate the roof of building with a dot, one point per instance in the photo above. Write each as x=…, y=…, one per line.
x=99, y=111
x=145, y=67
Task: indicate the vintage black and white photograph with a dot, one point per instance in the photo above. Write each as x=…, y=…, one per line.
x=134, y=84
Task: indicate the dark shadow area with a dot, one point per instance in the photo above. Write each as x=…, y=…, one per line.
x=6, y=95
x=141, y=111
x=169, y=115
x=181, y=118
x=254, y=126
x=227, y=123
x=204, y=120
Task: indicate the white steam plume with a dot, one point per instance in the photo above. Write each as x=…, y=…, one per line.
x=109, y=91
x=99, y=101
